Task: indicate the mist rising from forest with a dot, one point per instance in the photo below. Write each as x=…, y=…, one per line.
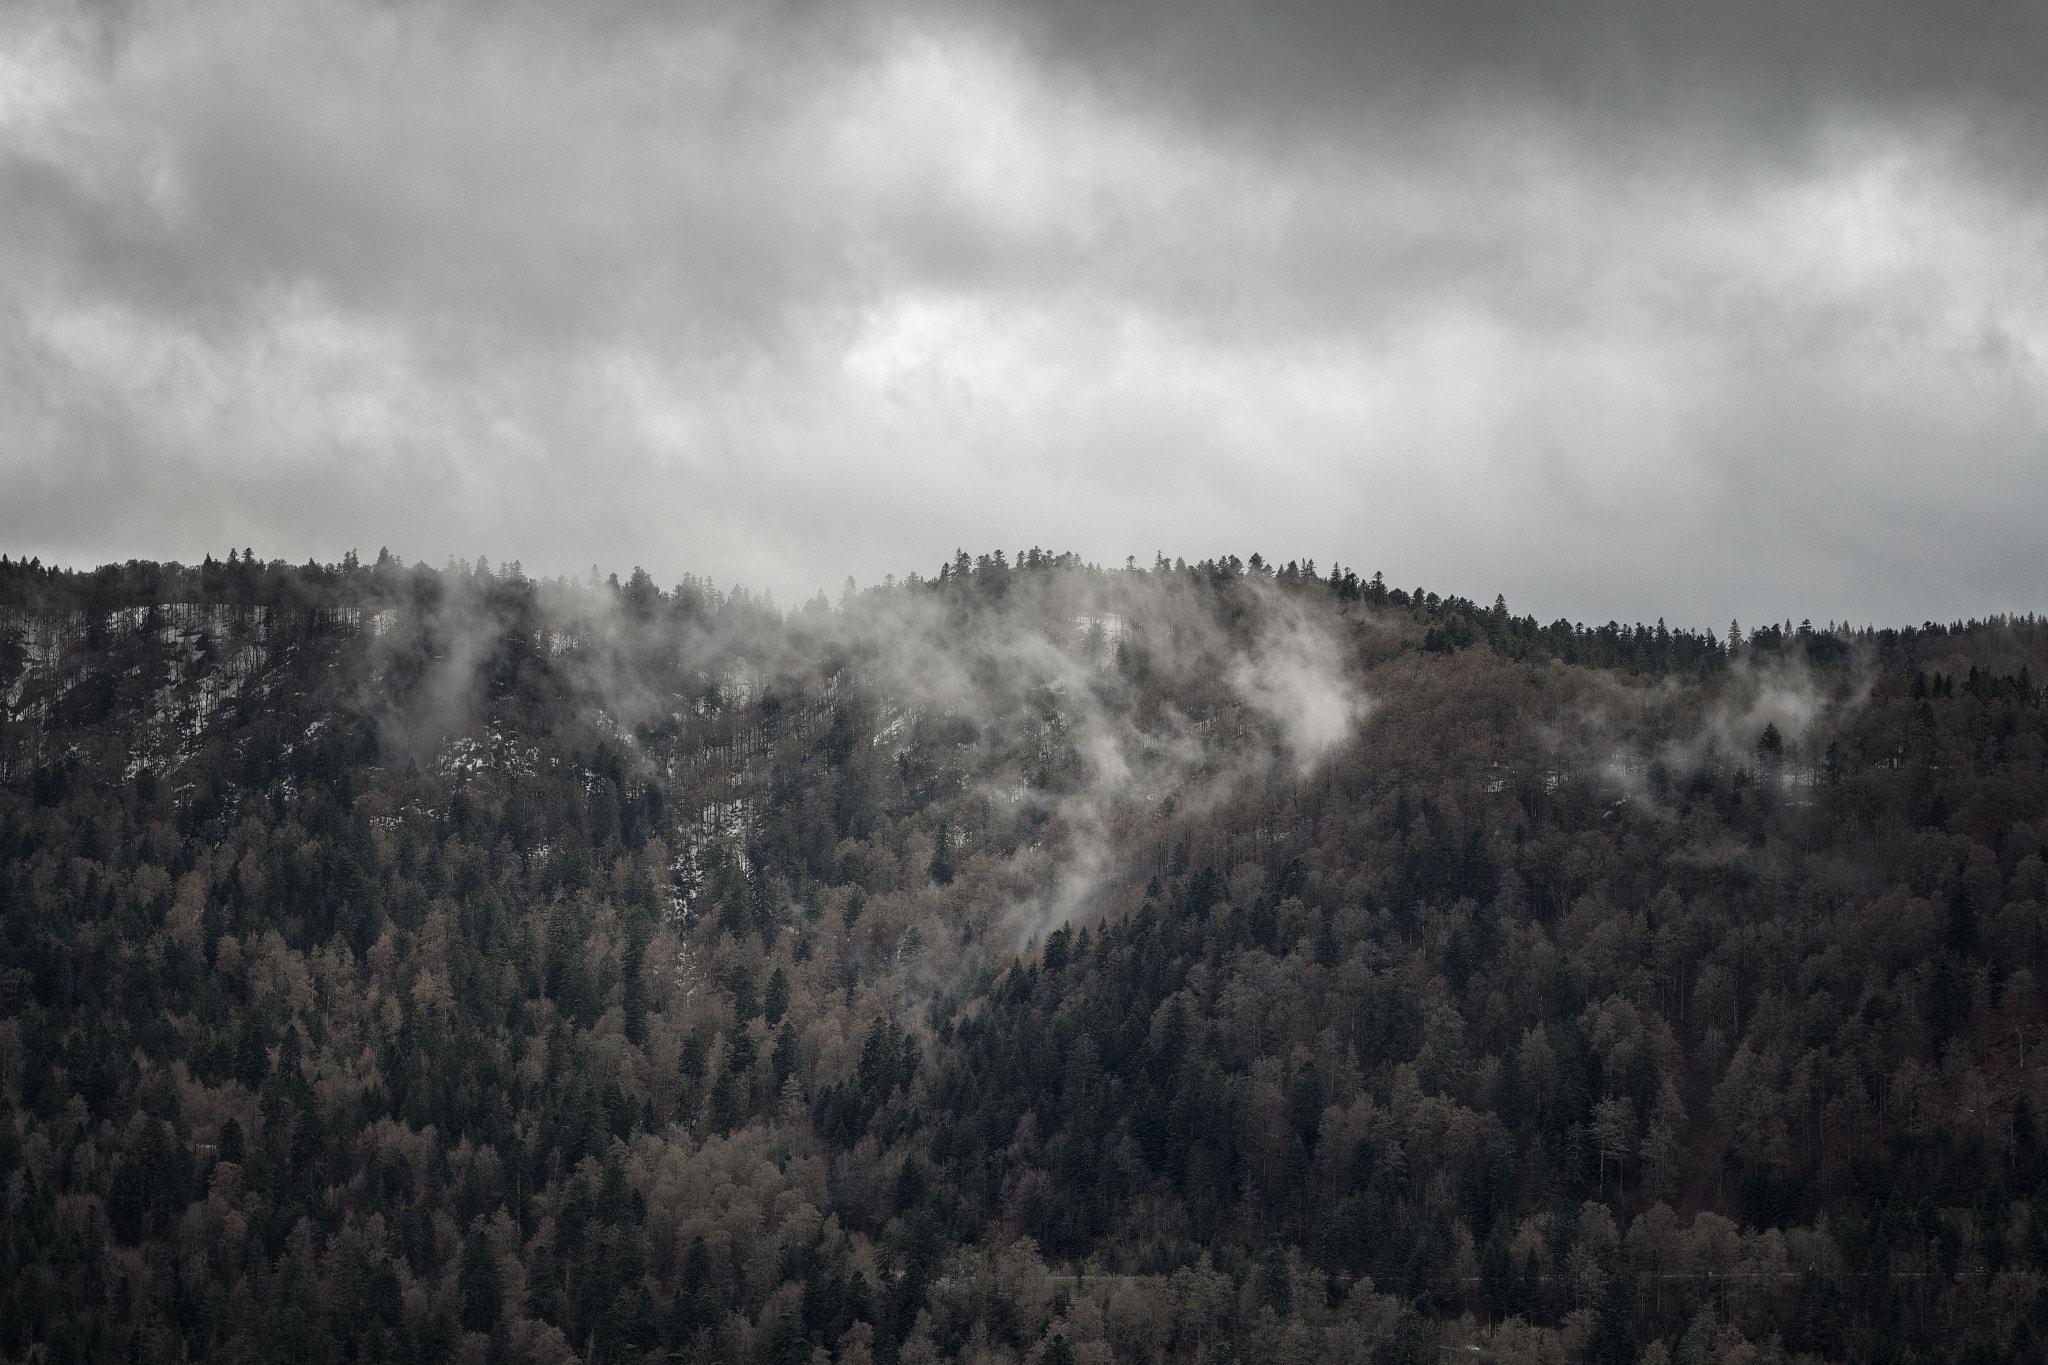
x=1119, y=663
x=581, y=969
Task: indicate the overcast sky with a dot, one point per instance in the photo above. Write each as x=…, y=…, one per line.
x=1740, y=311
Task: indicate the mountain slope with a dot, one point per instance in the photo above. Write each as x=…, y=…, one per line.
x=1028, y=962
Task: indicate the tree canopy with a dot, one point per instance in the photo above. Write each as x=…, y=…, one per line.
x=1031, y=962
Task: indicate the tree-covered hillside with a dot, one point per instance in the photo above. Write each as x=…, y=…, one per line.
x=1030, y=963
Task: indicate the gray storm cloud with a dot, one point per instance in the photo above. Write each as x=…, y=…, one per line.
x=1692, y=315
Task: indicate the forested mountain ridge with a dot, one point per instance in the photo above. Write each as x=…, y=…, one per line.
x=1031, y=962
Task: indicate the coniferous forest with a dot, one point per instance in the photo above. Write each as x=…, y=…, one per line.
x=1033, y=962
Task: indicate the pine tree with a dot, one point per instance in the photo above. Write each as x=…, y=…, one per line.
x=480, y=1285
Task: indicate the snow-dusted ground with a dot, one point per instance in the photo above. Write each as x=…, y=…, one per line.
x=489, y=751
x=217, y=653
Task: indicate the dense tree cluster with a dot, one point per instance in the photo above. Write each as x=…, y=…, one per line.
x=1013, y=964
